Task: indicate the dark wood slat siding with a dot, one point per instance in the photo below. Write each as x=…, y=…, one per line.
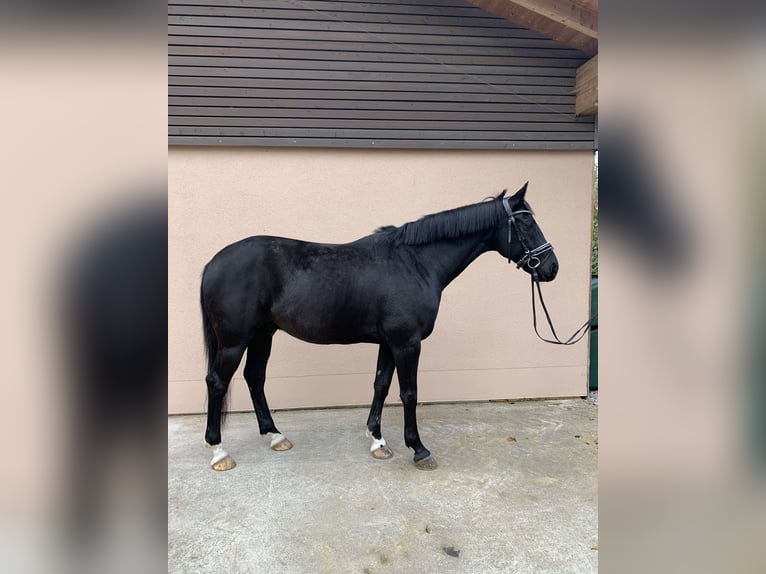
x=438, y=74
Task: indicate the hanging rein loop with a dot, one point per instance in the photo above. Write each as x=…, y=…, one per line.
x=532, y=259
x=574, y=338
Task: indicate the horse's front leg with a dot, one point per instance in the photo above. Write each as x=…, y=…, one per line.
x=384, y=372
x=407, y=370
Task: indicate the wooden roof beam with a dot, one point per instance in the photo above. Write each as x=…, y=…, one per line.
x=570, y=22
x=586, y=88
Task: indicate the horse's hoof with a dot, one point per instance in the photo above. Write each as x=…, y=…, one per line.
x=427, y=463
x=278, y=442
x=226, y=463
x=221, y=459
x=282, y=445
x=382, y=453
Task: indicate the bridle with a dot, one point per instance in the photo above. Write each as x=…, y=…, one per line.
x=532, y=259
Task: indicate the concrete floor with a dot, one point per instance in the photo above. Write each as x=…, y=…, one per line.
x=326, y=506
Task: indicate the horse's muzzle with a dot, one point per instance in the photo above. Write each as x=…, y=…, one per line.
x=547, y=270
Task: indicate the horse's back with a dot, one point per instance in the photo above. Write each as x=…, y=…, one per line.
x=318, y=292
x=265, y=281
x=275, y=260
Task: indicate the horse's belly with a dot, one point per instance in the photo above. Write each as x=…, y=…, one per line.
x=325, y=324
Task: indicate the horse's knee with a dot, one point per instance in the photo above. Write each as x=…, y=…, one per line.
x=216, y=388
x=409, y=396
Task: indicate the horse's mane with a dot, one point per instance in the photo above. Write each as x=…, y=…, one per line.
x=448, y=224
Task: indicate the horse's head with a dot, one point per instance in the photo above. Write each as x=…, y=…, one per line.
x=521, y=240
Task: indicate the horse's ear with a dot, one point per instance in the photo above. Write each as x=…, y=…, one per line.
x=502, y=194
x=519, y=195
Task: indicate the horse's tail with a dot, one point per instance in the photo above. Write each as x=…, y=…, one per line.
x=211, y=341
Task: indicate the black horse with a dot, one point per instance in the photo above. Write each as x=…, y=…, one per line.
x=384, y=288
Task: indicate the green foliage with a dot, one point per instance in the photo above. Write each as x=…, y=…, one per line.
x=594, y=238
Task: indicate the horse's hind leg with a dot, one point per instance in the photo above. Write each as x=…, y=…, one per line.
x=226, y=362
x=383, y=374
x=255, y=374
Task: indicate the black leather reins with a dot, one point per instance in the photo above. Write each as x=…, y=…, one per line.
x=574, y=338
x=532, y=259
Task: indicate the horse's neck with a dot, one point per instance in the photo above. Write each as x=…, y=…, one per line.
x=448, y=258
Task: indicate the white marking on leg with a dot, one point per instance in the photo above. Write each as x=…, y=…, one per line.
x=218, y=453
x=276, y=438
x=376, y=442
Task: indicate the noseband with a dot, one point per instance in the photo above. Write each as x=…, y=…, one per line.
x=531, y=257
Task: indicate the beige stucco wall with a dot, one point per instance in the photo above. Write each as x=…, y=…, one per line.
x=483, y=346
